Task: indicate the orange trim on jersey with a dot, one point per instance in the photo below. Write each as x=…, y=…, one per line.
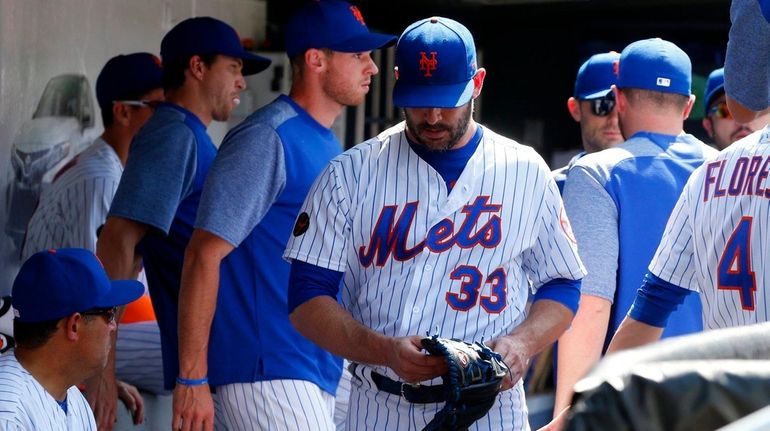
x=139, y=311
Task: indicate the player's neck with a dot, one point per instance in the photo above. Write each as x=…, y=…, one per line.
x=46, y=371
x=119, y=141
x=316, y=104
x=189, y=98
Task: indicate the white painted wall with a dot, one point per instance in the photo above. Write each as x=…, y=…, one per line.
x=40, y=39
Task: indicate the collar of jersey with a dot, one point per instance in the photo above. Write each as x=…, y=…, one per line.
x=662, y=140
x=194, y=118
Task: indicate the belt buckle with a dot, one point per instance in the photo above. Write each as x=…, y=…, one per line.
x=404, y=384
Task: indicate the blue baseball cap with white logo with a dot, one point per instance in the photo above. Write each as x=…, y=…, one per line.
x=714, y=85
x=206, y=36
x=53, y=284
x=435, y=65
x=596, y=76
x=331, y=24
x=656, y=65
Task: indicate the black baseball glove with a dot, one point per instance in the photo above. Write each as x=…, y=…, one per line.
x=471, y=384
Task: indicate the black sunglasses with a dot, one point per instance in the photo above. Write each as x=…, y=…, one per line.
x=108, y=313
x=603, y=106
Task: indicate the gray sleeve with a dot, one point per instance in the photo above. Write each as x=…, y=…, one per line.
x=747, y=64
x=159, y=174
x=247, y=176
x=594, y=219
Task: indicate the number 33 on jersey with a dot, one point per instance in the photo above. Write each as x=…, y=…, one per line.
x=416, y=256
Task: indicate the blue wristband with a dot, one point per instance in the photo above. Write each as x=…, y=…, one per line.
x=192, y=382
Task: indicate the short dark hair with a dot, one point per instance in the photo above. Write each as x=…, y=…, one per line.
x=31, y=335
x=656, y=98
x=173, y=71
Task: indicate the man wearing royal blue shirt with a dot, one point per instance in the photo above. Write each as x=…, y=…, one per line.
x=619, y=200
x=151, y=217
x=233, y=301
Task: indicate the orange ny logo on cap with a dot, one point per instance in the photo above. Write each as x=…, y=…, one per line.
x=616, y=68
x=428, y=65
x=357, y=15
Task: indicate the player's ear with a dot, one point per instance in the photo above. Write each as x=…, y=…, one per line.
x=573, y=106
x=121, y=114
x=315, y=59
x=196, y=66
x=72, y=325
x=478, y=81
x=688, y=108
x=620, y=100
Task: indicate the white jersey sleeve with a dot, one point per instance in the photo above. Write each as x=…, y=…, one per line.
x=673, y=260
x=320, y=233
x=554, y=253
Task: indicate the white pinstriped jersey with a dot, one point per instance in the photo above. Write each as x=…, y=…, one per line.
x=76, y=203
x=26, y=405
x=417, y=259
x=716, y=239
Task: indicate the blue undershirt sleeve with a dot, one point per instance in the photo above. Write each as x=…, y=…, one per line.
x=307, y=281
x=562, y=290
x=655, y=300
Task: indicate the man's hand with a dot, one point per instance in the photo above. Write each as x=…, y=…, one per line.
x=193, y=408
x=407, y=359
x=133, y=401
x=514, y=355
x=102, y=395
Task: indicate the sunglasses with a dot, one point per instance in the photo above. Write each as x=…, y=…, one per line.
x=138, y=103
x=720, y=110
x=603, y=106
x=108, y=313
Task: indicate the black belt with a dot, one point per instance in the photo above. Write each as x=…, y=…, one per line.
x=417, y=394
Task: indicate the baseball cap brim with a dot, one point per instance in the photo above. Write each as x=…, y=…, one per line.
x=597, y=94
x=364, y=42
x=253, y=63
x=713, y=94
x=121, y=293
x=432, y=96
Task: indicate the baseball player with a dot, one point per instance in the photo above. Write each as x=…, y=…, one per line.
x=437, y=225
x=152, y=214
x=65, y=310
x=593, y=106
x=619, y=200
x=714, y=245
x=747, y=69
x=718, y=122
x=75, y=206
x=245, y=218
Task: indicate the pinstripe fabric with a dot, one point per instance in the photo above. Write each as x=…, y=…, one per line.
x=371, y=409
x=342, y=399
x=76, y=203
x=273, y=405
x=517, y=240
x=702, y=222
x=70, y=211
x=26, y=405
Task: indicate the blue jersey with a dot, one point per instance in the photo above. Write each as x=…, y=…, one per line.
x=161, y=187
x=619, y=201
x=256, y=187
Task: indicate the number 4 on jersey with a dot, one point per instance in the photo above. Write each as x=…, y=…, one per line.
x=734, y=271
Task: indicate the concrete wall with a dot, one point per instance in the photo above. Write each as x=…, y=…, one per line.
x=40, y=39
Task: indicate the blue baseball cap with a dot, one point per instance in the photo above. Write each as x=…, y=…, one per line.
x=205, y=36
x=331, y=24
x=128, y=76
x=435, y=65
x=596, y=76
x=714, y=85
x=656, y=65
x=53, y=284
